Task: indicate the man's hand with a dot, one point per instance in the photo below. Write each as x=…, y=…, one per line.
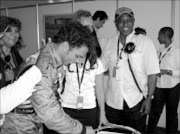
x=90, y=130
x=103, y=120
x=45, y=45
x=166, y=72
x=146, y=106
x=42, y=58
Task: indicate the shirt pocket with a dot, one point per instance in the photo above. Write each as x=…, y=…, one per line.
x=136, y=60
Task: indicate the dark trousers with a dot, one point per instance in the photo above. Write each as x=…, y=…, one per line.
x=128, y=116
x=88, y=117
x=169, y=97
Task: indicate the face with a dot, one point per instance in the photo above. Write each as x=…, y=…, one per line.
x=11, y=37
x=87, y=21
x=161, y=38
x=100, y=23
x=74, y=55
x=125, y=24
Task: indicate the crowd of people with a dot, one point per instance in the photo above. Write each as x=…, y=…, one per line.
x=61, y=88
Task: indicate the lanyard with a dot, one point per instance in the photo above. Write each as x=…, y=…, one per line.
x=119, y=55
x=78, y=77
x=163, y=55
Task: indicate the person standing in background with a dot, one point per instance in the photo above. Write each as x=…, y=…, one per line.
x=168, y=84
x=10, y=59
x=99, y=18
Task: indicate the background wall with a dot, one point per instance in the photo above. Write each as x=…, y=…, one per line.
x=2, y=12
x=55, y=9
x=151, y=15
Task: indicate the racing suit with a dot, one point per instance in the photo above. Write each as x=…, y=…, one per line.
x=45, y=101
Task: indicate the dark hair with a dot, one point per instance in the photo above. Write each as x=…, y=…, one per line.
x=168, y=31
x=139, y=30
x=9, y=21
x=100, y=14
x=95, y=50
x=76, y=35
x=20, y=43
x=80, y=13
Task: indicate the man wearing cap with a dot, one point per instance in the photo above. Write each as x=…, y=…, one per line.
x=133, y=65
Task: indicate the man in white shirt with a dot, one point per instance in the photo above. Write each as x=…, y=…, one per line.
x=133, y=64
x=168, y=84
x=99, y=18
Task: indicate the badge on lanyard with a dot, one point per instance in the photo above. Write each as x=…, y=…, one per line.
x=119, y=57
x=80, y=98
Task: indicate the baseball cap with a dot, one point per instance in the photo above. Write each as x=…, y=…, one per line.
x=122, y=11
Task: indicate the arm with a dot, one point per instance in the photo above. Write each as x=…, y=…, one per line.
x=175, y=72
x=146, y=107
x=100, y=98
x=17, y=92
x=151, y=65
x=152, y=79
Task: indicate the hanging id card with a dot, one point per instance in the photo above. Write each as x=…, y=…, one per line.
x=80, y=100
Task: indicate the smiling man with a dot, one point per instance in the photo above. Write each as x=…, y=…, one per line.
x=133, y=64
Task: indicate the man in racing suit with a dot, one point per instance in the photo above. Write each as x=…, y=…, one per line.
x=72, y=43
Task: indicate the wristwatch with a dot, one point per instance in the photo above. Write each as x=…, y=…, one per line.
x=152, y=96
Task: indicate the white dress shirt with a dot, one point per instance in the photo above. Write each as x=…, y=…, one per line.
x=17, y=92
x=144, y=62
x=87, y=90
x=170, y=60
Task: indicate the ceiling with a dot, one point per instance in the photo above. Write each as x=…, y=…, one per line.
x=19, y=3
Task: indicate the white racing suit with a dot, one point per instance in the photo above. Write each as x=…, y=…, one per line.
x=45, y=101
x=22, y=120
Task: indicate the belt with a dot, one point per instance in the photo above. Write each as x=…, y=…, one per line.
x=23, y=110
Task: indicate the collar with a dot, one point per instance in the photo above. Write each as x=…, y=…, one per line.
x=129, y=37
x=172, y=45
x=56, y=59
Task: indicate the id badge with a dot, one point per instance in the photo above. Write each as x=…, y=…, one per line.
x=80, y=102
x=114, y=72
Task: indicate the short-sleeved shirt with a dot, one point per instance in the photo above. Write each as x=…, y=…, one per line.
x=144, y=62
x=87, y=90
x=169, y=60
